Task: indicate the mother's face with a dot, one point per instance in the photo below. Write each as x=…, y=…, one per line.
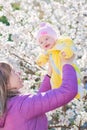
x=15, y=82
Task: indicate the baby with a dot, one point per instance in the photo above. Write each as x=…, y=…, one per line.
x=54, y=48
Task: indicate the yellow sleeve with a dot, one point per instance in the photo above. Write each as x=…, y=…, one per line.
x=42, y=60
x=65, y=39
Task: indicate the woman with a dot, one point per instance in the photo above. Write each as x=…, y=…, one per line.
x=27, y=112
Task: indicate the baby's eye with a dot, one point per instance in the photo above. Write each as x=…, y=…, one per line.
x=46, y=39
x=41, y=42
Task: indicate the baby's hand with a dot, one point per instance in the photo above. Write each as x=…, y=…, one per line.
x=67, y=52
x=39, y=63
x=67, y=61
x=63, y=54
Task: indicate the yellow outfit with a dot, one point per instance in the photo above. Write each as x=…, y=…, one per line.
x=62, y=44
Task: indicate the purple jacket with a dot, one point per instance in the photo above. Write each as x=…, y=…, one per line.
x=27, y=112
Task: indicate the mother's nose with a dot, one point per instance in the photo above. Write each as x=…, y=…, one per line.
x=18, y=73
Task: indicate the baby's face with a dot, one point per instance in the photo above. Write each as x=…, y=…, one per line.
x=46, y=42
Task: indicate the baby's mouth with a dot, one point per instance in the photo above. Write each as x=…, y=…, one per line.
x=47, y=46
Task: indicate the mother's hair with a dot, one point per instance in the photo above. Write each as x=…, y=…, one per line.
x=5, y=70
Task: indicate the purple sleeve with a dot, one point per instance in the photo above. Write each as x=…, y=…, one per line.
x=43, y=102
x=45, y=85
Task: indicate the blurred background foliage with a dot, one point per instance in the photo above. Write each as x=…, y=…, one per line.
x=19, y=22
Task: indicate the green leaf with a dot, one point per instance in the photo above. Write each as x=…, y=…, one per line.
x=0, y=34
x=1, y=7
x=9, y=38
x=70, y=26
x=47, y=1
x=4, y=20
x=16, y=5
